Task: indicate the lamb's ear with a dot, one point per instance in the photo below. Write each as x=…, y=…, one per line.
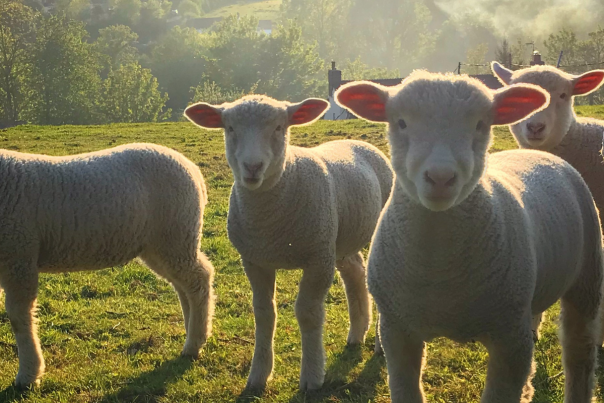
x=205, y=115
x=504, y=75
x=517, y=102
x=588, y=82
x=365, y=99
x=307, y=111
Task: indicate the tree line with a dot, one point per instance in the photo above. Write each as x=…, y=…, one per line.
x=104, y=61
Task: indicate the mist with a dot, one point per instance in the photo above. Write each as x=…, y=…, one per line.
x=534, y=19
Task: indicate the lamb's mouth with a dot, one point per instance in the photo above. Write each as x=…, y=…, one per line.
x=251, y=181
x=535, y=137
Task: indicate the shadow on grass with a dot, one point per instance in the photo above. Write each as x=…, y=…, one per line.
x=12, y=394
x=151, y=385
x=363, y=388
x=600, y=375
x=335, y=386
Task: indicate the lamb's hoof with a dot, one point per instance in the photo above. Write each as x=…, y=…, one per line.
x=311, y=382
x=25, y=382
x=535, y=336
x=190, y=353
x=378, y=350
x=355, y=339
x=255, y=387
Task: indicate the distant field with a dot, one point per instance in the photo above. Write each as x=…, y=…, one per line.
x=115, y=335
x=263, y=10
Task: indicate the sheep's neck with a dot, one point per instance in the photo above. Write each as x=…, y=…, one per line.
x=442, y=242
x=580, y=147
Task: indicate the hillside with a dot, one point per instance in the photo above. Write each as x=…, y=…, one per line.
x=263, y=10
x=115, y=335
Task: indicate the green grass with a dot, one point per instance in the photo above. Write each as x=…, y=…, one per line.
x=115, y=335
x=261, y=9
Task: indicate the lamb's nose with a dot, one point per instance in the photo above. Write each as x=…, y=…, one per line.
x=535, y=128
x=440, y=177
x=253, y=168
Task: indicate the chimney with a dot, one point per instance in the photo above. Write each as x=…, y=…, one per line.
x=334, y=78
x=537, y=59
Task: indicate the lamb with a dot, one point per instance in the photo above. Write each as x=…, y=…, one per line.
x=557, y=129
x=96, y=210
x=467, y=248
x=292, y=207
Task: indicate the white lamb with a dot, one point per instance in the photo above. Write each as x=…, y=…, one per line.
x=97, y=210
x=557, y=129
x=295, y=207
x=470, y=251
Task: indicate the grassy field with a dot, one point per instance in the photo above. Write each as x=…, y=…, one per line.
x=115, y=335
x=262, y=9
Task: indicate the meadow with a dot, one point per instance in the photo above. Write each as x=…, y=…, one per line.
x=115, y=335
x=261, y=9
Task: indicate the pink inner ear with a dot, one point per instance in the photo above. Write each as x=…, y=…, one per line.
x=365, y=101
x=308, y=111
x=588, y=82
x=205, y=116
x=517, y=103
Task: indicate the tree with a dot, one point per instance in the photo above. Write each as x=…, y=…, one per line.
x=130, y=95
x=357, y=70
x=323, y=21
x=281, y=65
x=476, y=60
x=63, y=81
x=17, y=32
x=152, y=22
x=392, y=33
x=115, y=43
x=189, y=9
x=127, y=12
x=212, y=93
x=563, y=40
x=503, y=52
x=177, y=62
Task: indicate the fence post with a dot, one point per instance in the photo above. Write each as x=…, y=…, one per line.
x=459, y=68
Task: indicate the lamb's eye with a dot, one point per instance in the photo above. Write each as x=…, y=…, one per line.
x=479, y=125
x=563, y=95
x=402, y=124
x=278, y=129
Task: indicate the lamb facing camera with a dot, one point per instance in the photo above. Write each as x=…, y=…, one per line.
x=293, y=207
x=471, y=245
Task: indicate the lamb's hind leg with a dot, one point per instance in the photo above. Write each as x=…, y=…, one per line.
x=536, y=325
x=353, y=273
x=20, y=304
x=192, y=276
x=579, y=337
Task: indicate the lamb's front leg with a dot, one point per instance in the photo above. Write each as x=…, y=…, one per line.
x=310, y=313
x=265, y=315
x=404, y=360
x=21, y=293
x=510, y=367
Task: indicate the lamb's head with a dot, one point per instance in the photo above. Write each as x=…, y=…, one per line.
x=256, y=131
x=546, y=129
x=440, y=129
